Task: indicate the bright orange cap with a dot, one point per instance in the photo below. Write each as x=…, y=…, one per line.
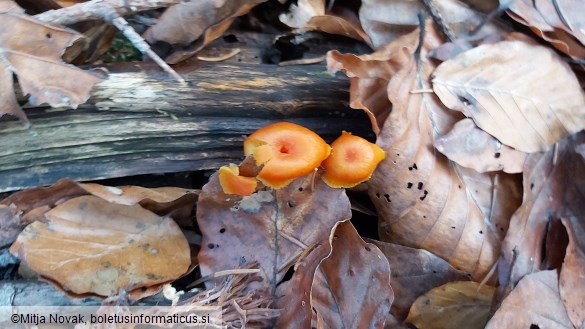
x=232, y=183
x=287, y=151
x=352, y=161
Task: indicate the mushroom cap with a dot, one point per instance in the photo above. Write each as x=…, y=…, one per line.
x=232, y=183
x=352, y=161
x=286, y=151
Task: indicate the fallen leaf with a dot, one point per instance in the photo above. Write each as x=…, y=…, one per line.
x=193, y=25
x=554, y=185
x=534, y=303
x=89, y=245
x=10, y=224
x=272, y=227
x=312, y=15
x=32, y=50
x=34, y=203
x=464, y=304
x=572, y=280
x=386, y=21
x=174, y=201
x=414, y=272
x=424, y=200
x=294, y=296
x=559, y=22
x=473, y=148
x=351, y=288
x=483, y=84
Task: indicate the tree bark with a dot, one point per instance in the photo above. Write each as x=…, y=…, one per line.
x=142, y=122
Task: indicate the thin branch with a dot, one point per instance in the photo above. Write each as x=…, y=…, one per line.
x=438, y=19
x=140, y=44
x=98, y=9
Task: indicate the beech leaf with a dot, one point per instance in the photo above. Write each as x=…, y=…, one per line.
x=559, y=22
x=554, y=185
x=195, y=24
x=414, y=272
x=89, y=245
x=272, y=227
x=424, y=200
x=483, y=84
x=463, y=304
x=32, y=50
x=535, y=302
x=473, y=148
x=351, y=288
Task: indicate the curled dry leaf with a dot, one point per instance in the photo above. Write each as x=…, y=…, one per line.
x=312, y=15
x=424, y=200
x=463, y=304
x=195, y=24
x=571, y=281
x=294, y=296
x=89, y=245
x=32, y=50
x=386, y=21
x=534, y=303
x=33, y=203
x=272, y=227
x=559, y=22
x=473, y=148
x=414, y=272
x=483, y=84
x=554, y=186
x=351, y=288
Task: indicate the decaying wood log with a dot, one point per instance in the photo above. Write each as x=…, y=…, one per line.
x=142, y=122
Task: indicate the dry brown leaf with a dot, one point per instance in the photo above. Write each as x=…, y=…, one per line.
x=89, y=245
x=34, y=203
x=351, y=288
x=554, y=186
x=423, y=199
x=414, y=272
x=272, y=227
x=571, y=280
x=385, y=21
x=312, y=15
x=294, y=296
x=10, y=224
x=174, y=201
x=32, y=50
x=559, y=22
x=483, y=84
x=473, y=148
x=463, y=304
x=534, y=303
x=195, y=24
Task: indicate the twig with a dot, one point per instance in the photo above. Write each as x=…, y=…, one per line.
x=98, y=9
x=221, y=58
x=139, y=43
x=222, y=273
x=303, y=61
x=438, y=19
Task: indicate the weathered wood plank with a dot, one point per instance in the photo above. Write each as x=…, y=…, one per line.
x=142, y=122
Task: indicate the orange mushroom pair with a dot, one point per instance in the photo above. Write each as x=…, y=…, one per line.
x=286, y=151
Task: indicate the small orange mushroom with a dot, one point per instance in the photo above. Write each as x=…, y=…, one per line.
x=286, y=151
x=352, y=161
x=232, y=183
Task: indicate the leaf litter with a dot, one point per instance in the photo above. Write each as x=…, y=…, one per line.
x=29, y=47
x=443, y=202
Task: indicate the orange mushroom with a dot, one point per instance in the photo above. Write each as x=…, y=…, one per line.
x=286, y=151
x=352, y=161
x=232, y=183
